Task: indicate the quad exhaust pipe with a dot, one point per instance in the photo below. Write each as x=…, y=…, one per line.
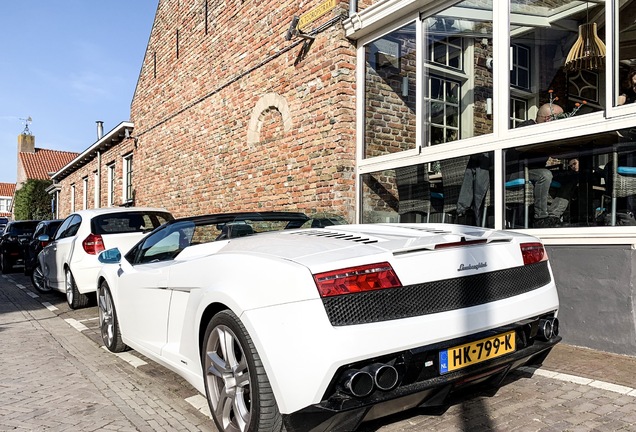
x=361, y=382
x=548, y=328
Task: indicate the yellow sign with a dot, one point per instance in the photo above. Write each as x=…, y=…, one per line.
x=316, y=13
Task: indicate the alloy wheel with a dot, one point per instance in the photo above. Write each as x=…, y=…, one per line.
x=38, y=280
x=68, y=283
x=228, y=379
x=106, y=322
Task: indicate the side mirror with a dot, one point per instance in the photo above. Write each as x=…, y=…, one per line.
x=44, y=238
x=110, y=256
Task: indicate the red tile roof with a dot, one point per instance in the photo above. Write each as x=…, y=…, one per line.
x=38, y=165
x=7, y=189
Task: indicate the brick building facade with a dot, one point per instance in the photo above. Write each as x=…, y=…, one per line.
x=230, y=116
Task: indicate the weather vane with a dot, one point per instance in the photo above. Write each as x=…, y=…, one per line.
x=27, y=121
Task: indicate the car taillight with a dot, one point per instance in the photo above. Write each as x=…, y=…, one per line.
x=356, y=279
x=533, y=253
x=93, y=244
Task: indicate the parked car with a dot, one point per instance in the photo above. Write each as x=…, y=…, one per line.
x=12, y=242
x=324, y=328
x=34, y=246
x=69, y=262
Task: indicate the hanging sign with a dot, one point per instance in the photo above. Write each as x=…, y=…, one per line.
x=311, y=16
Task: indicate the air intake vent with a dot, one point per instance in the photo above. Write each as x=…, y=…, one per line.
x=336, y=235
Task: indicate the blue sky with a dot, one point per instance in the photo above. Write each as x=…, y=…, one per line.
x=67, y=64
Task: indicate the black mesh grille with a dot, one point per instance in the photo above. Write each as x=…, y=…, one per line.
x=434, y=297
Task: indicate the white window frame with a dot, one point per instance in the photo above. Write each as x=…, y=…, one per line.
x=127, y=174
x=85, y=193
x=73, y=197
x=96, y=200
x=110, y=198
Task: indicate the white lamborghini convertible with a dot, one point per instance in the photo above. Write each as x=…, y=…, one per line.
x=319, y=329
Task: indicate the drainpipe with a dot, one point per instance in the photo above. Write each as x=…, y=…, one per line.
x=353, y=7
x=98, y=180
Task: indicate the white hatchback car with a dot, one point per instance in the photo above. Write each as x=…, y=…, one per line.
x=69, y=262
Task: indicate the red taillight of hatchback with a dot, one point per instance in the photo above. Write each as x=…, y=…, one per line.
x=93, y=244
x=357, y=279
x=533, y=253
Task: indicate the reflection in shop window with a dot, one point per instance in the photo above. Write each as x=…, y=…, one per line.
x=458, y=91
x=443, y=110
x=459, y=192
x=518, y=112
x=390, y=104
x=520, y=73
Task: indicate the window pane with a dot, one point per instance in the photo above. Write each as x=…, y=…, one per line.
x=390, y=93
x=583, y=181
x=549, y=59
x=455, y=190
x=458, y=49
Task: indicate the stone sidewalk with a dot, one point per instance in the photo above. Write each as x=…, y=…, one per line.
x=54, y=378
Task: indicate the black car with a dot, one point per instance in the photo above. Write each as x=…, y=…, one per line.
x=12, y=243
x=34, y=246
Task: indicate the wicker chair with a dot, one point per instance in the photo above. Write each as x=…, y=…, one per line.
x=623, y=182
x=519, y=193
x=413, y=192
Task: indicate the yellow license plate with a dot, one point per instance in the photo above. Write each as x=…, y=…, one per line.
x=476, y=352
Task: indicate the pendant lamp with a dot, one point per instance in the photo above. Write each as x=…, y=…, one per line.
x=588, y=52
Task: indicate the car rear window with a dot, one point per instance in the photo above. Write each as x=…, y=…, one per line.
x=127, y=222
x=22, y=228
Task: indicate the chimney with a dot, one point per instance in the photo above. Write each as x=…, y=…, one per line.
x=26, y=143
x=100, y=129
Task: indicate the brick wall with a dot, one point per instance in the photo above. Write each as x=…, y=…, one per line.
x=112, y=155
x=234, y=120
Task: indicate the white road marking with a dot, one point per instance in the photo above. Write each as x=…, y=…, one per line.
x=128, y=358
x=200, y=403
x=580, y=380
x=76, y=324
x=20, y=286
x=32, y=295
x=49, y=306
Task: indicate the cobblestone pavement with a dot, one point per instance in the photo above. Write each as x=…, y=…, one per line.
x=56, y=376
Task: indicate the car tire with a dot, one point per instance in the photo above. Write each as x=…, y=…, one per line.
x=108, y=323
x=228, y=355
x=38, y=280
x=74, y=298
x=5, y=265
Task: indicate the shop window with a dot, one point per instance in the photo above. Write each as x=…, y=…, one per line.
x=548, y=60
x=625, y=86
x=458, y=71
x=456, y=190
x=577, y=182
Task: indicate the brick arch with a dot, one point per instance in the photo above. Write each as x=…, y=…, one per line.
x=267, y=102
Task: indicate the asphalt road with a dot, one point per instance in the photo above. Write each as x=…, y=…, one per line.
x=55, y=375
